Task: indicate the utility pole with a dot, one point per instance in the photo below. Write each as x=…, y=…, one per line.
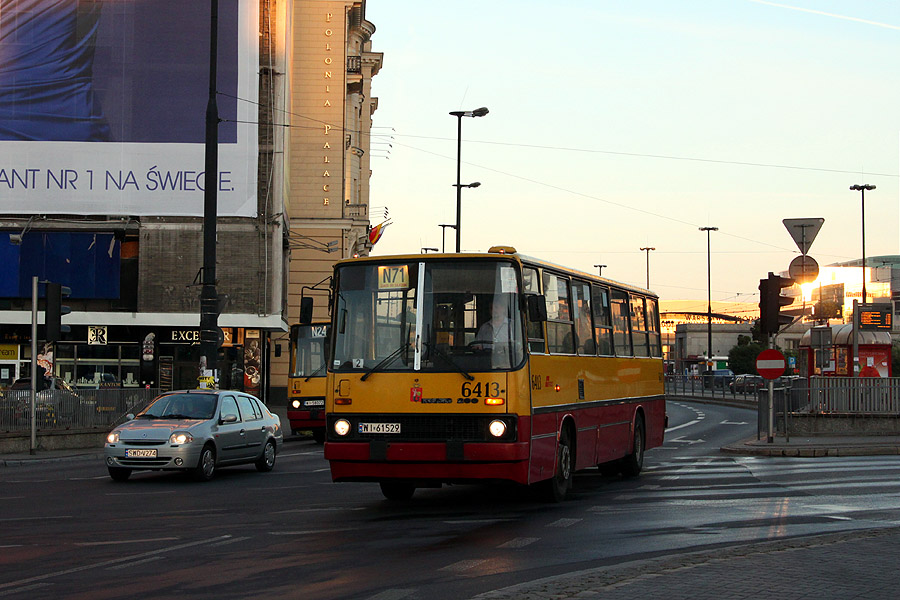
x=209, y=297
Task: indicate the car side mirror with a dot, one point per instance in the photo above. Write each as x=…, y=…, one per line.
x=228, y=419
x=129, y=417
x=537, y=308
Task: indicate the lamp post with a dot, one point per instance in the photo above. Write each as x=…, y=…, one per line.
x=459, y=114
x=601, y=269
x=862, y=190
x=444, y=227
x=708, y=293
x=427, y=250
x=647, y=250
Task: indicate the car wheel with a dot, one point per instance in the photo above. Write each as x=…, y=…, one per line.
x=206, y=466
x=119, y=474
x=556, y=487
x=266, y=462
x=398, y=491
x=634, y=462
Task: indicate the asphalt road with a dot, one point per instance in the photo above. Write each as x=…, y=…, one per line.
x=67, y=530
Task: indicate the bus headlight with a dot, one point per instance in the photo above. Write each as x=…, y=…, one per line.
x=342, y=427
x=295, y=404
x=497, y=428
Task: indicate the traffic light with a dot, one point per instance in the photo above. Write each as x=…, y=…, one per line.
x=771, y=301
x=55, y=310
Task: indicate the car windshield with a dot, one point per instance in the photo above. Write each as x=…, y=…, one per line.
x=434, y=315
x=181, y=406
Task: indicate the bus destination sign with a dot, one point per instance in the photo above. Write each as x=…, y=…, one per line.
x=875, y=317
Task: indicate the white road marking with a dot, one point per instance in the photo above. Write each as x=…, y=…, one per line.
x=139, y=493
x=463, y=565
x=311, y=531
x=519, y=542
x=564, y=522
x=688, y=424
x=395, y=594
x=137, y=562
x=44, y=518
x=117, y=542
x=27, y=588
x=107, y=563
x=231, y=541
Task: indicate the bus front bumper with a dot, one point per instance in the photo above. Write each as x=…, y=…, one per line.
x=432, y=461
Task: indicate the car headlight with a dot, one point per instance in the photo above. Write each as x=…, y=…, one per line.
x=113, y=437
x=497, y=428
x=342, y=427
x=181, y=437
x=295, y=404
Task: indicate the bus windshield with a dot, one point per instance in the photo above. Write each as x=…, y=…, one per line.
x=309, y=350
x=434, y=316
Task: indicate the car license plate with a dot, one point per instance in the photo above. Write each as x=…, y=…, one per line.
x=379, y=427
x=314, y=403
x=140, y=453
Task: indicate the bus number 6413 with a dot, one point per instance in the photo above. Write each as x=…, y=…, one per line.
x=488, y=388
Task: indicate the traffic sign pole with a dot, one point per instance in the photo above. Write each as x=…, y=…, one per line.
x=770, y=364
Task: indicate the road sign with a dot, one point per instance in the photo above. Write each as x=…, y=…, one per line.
x=770, y=364
x=803, y=269
x=803, y=231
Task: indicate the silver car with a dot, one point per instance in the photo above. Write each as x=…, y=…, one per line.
x=195, y=431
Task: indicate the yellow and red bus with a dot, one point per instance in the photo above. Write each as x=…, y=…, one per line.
x=419, y=393
x=306, y=379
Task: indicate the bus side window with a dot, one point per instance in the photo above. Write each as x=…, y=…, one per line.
x=653, y=327
x=535, y=329
x=602, y=325
x=639, y=327
x=560, y=336
x=621, y=323
x=584, y=332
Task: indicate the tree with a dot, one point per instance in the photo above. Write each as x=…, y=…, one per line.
x=742, y=358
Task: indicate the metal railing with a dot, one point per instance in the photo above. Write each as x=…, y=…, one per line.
x=854, y=395
x=59, y=410
x=706, y=386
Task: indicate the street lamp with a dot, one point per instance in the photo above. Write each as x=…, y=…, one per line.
x=647, y=250
x=708, y=294
x=427, y=250
x=601, y=269
x=459, y=114
x=444, y=227
x=862, y=190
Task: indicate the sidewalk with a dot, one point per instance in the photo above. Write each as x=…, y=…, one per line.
x=805, y=446
x=857, y=564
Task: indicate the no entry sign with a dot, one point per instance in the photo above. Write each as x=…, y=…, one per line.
x=770, y=364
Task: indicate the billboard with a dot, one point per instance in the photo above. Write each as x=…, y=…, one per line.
x=103, y=106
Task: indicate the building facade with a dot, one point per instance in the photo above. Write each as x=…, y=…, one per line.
x=107, y=198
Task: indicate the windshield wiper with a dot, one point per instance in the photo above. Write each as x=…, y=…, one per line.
x=449, y=359
x=176, y=416
x=386, y=360
x=314, y=373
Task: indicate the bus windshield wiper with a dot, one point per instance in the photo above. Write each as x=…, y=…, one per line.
x=316, y=372
x=449, y=360
x=386, y=360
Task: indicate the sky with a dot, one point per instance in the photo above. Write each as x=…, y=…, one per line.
x=617, y=125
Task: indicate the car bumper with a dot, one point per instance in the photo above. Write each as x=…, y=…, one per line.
x=168, y=457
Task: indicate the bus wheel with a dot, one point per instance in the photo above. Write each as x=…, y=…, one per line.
x=397, y=491
x=561, y=481
x=319, y=435
x=634, y=462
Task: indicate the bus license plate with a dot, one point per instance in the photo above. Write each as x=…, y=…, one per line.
x=314, y=403
x=140, y=453
x=379, y=427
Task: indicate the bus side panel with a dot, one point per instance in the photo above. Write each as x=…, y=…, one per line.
x=544, y=427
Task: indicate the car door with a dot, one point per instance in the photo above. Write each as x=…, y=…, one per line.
x=230, y=437
x=254, y=431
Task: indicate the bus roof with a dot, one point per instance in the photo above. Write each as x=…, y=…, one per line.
x=509, y=252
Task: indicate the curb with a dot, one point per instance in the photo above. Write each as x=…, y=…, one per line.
x=40, y=460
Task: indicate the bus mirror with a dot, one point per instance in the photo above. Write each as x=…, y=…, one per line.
x=537, y=308
x=306, y=310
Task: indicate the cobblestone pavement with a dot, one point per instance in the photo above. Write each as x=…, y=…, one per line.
x=861, y=564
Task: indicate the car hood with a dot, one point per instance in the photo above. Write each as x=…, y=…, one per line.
x=157, y=429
